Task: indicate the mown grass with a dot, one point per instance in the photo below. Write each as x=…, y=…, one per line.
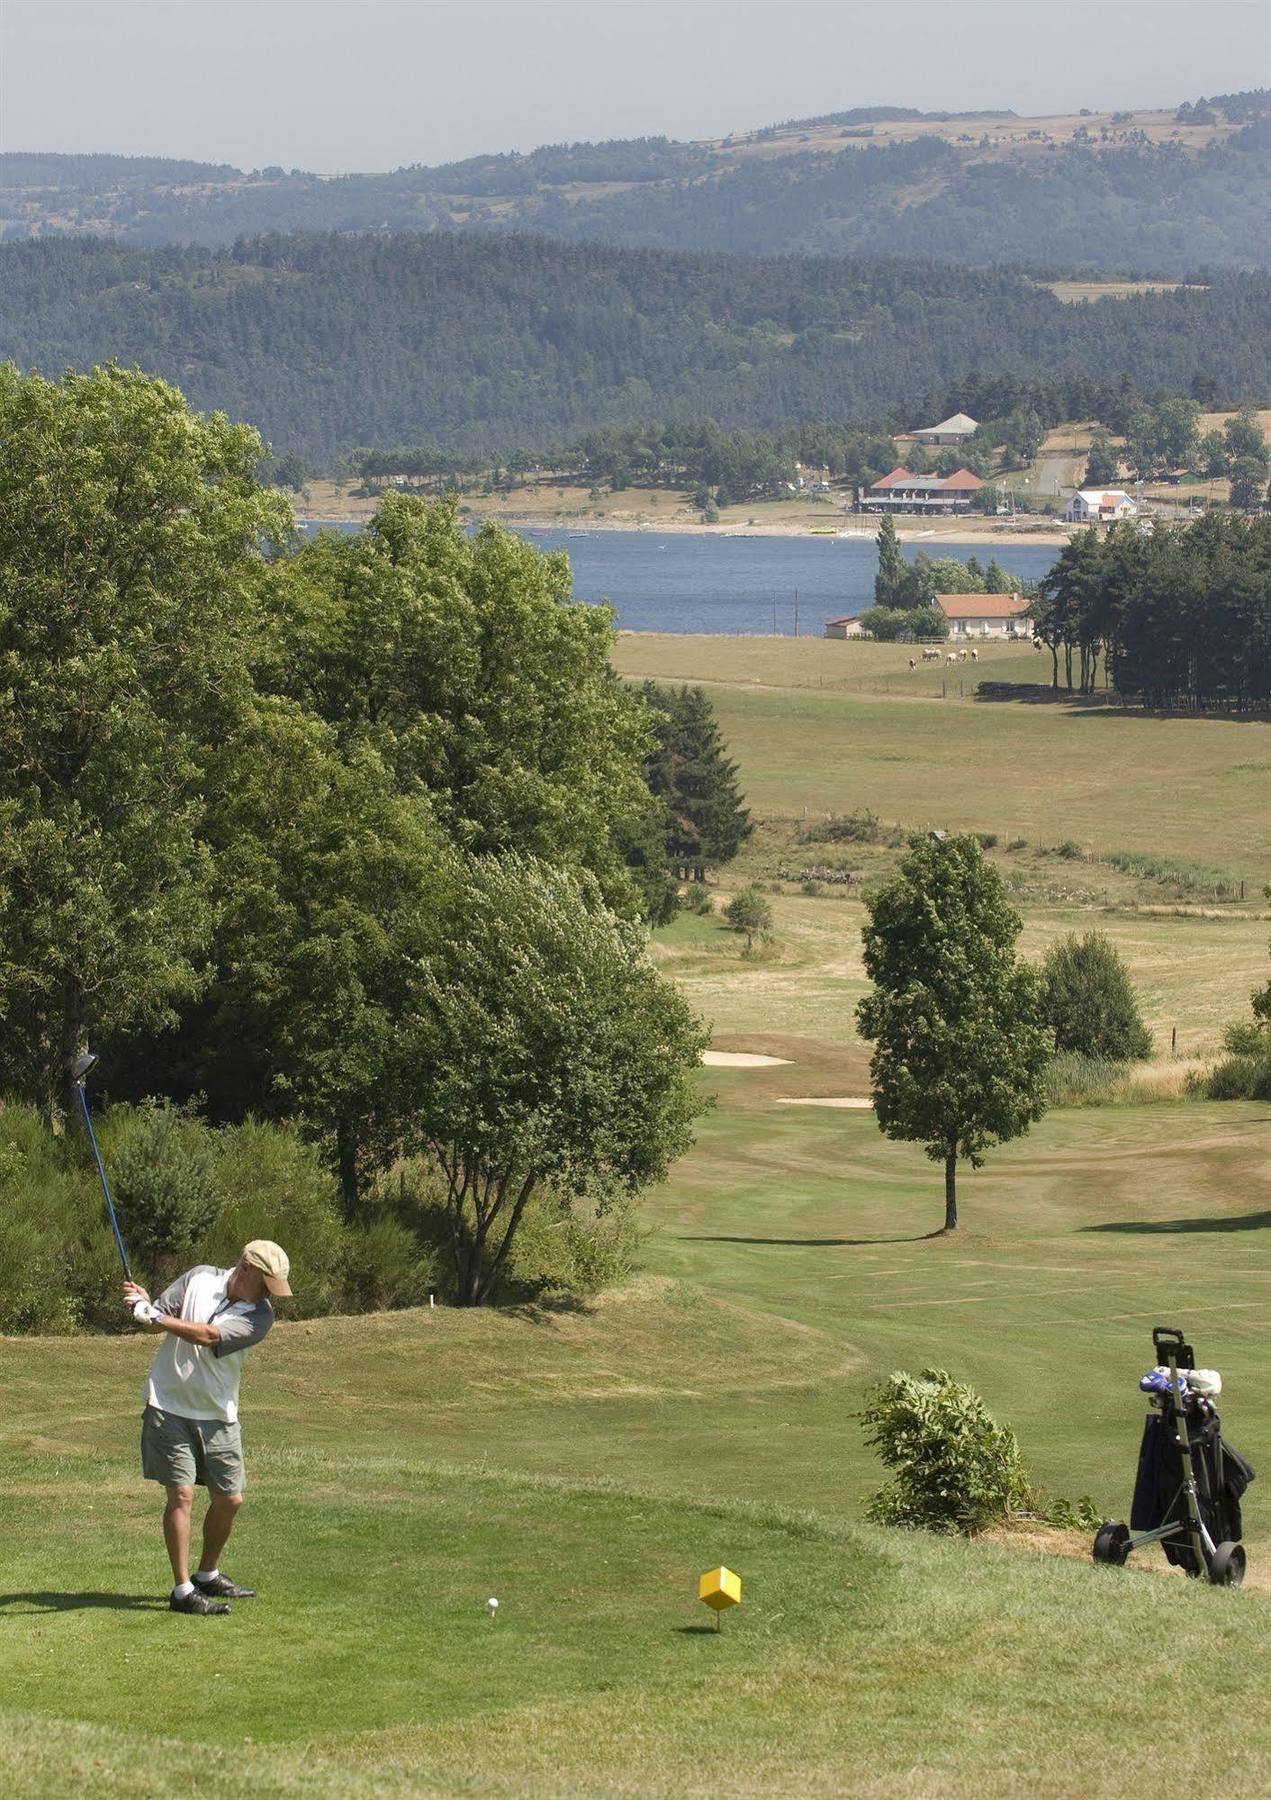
x=584, y=1465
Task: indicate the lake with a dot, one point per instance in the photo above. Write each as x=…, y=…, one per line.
x=682, y=581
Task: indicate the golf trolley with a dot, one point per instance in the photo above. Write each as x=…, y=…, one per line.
x=1189, y=1483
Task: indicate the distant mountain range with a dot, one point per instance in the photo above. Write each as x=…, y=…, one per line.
x=474, y=342
x=1166, y=193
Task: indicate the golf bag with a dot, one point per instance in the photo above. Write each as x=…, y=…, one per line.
x=1221, y=1474
x=1189, y=1484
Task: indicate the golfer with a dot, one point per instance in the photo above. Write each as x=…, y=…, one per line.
x=189, y=1430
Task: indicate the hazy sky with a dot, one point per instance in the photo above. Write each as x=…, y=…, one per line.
x=373, y=84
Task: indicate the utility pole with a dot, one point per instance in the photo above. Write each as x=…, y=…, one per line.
x=796, y=612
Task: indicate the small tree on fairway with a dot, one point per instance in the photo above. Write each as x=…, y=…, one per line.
x=959, y=1048
x=750, y=913
x=1088, y=1002
x=550, y=1055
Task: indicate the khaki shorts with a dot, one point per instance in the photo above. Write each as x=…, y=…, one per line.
x=192, y=1452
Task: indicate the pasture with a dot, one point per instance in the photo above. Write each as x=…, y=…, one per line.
x=584, y=1462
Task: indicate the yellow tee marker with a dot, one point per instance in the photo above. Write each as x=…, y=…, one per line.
x=719, y=1589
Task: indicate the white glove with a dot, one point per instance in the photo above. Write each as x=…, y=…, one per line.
x=146, y=1313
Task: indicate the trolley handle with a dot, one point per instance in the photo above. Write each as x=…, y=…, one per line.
x=1171, y=1346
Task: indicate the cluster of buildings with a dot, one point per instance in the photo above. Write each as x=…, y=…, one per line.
x=971, y=615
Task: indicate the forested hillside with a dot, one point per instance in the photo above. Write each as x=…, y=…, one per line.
x=474, y=342
x=1162, y=193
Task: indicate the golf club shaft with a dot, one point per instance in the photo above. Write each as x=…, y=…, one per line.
x=110, y=1205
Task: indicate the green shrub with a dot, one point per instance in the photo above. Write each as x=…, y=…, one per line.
x=987, y=840
x=1017, y=844
x=1088, y=1001
x=385, y=1266
x=862, y=827
x=697, y=898
x=61, y=1268
x=271, y=1184
x=560, y=1252
x=812, y=890
x=1241, y=1078
x=1247, y=1037
x=751, y=915
x=955, y=1468
x=161, y=1163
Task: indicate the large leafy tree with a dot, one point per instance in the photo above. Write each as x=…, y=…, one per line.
x=549, y=1056
x=129, y=560
x=328, y=885
x=464, y=663
x=959, y=1046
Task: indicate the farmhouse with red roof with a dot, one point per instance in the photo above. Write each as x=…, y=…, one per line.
x=984, y=615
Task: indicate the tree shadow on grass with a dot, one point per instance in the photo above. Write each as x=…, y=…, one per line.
x=20, y=1606
x=813, y=1243
x=1257, y=1221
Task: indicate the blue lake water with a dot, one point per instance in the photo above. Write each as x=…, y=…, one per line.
x=687, y=582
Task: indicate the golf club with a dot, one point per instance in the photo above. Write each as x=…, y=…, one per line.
x=79, y=1070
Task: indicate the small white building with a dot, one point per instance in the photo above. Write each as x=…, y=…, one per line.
x=948, y=431
x=843, y=628
x=1097, y=506
x=985, y=615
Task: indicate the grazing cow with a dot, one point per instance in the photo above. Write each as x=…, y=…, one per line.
x=931, y=656
x=962, y=655
x=975, y=656
x=952, y=657
x=913, y=663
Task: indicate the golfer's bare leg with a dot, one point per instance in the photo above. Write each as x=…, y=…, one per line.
x=176, y=1531
x=217, y=1526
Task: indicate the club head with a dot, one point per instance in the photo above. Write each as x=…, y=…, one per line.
x=82, y=1066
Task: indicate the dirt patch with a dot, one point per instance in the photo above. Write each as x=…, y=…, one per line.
x=740, y=1059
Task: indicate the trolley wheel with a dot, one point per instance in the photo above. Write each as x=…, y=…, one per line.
x=1112, y=1543
x=1228, y=1566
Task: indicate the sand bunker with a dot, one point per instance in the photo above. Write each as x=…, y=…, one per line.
x=740, y=1059
x=853, y=1102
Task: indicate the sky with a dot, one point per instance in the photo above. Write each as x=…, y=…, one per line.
x=337, y=85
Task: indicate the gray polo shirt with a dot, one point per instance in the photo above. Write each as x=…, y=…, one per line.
x=200, y=1381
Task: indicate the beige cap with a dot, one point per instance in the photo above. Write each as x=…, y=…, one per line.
x=272, y=1262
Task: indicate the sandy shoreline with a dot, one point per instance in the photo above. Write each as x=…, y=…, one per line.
x=997, y=536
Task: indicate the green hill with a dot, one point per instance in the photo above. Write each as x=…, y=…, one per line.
x=483, y=343
x=1164, y=192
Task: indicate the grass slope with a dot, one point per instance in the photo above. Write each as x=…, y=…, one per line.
x=584, y=1464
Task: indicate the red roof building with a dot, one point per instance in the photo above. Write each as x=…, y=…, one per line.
x=902, y=492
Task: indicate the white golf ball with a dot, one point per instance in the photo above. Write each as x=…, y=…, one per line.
x=493, y=1605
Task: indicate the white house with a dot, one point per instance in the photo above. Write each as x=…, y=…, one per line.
x=948, y=431
x=843, y=628
x=1094, y=506
x=984, y=615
